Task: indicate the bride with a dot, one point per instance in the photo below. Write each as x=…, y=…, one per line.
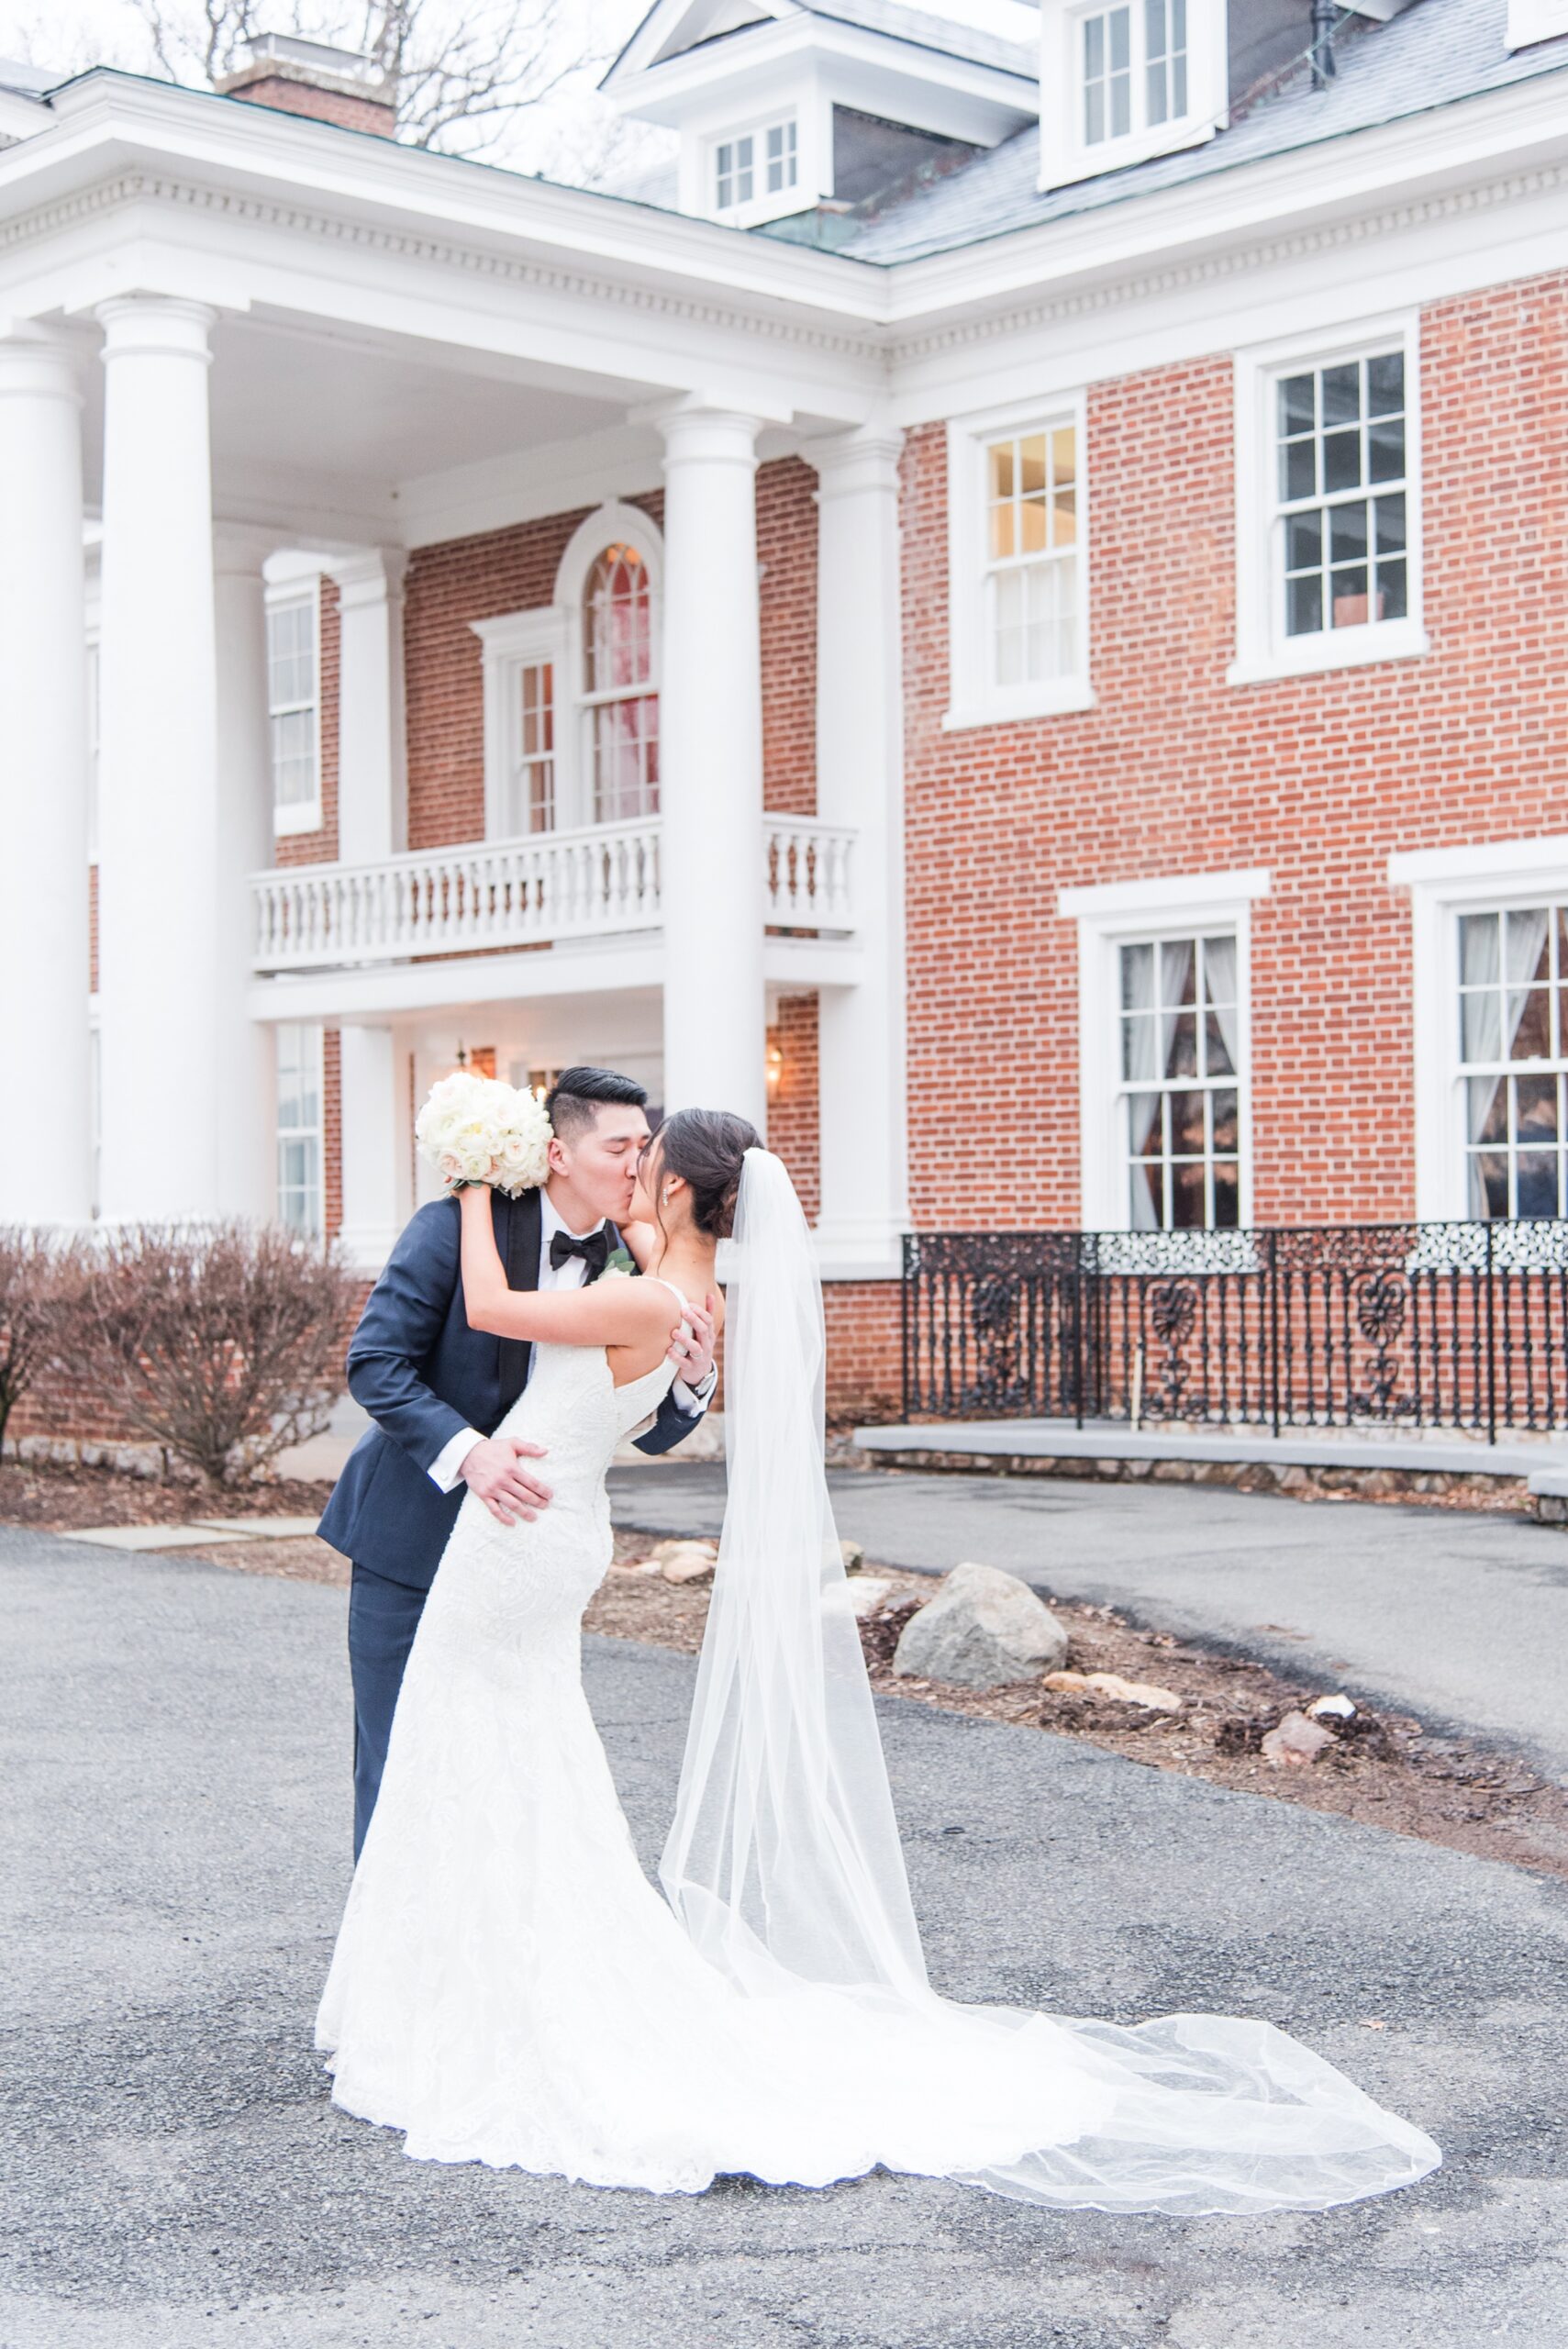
x=508, y=1987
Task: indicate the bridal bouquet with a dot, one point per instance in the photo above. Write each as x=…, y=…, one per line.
x=476, y=1130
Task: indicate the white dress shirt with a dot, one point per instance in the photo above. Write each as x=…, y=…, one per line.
x=447, y=1467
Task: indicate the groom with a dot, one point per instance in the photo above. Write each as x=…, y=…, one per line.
x=436, y=1388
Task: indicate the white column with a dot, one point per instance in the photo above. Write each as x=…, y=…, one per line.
x=157, y=817
x=373, y=790
x=247, y=1174
x=860, y=783
x=45, y=1127
x=711, y=767
x=375, y=1146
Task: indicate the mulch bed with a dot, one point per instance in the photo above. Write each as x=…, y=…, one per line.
x=60, y=1500
x=1384, y=1769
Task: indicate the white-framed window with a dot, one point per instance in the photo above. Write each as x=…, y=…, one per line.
x=1018, y=572
x=1178, y=1112
x=1165, y=1051
x=1128, y=79
x=751, y=169
x=1328, y=503
x=1489, y=977
x=571, y=690
x=619, y=693
x=300, y=1126
x=1132, y=65
x=293, y=706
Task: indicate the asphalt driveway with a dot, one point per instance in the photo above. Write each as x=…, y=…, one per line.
x=176, y=1825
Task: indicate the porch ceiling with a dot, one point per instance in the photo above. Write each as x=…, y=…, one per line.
x=317, y=428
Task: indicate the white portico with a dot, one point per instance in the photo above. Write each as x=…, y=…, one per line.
x=241, y=348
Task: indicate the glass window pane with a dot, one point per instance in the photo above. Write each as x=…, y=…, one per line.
x=1385, y=384
x=1341, y=461
x=1480, y=963
x=1528, y=944
x=1187, y=1121
x=1298, y=469
x=1178, y=976
x=1180, y=1033
x=1064, y=454
x=1218, y=1061
x=1298, y=404
x=1226, y=1119
x=1486, y=1107
x=1033, y=534
x=1304, y=605
x=1031, y=464
x=1138, y=977
x=1535, y=1109
x=1488, y=1185
x=1480, y=1026
x=1145, y=1209
x=1528, y=1019
x=1342, y=393
x=1145, y=1112
x=1000, y=456
x=1386, y=450
x=1536, y=1183
x=1187, y=1202
x=1347, y=533
x=1304, y=541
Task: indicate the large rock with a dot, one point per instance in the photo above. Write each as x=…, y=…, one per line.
x=982, y=1630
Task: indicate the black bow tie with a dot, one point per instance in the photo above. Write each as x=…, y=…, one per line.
x=595, y=1250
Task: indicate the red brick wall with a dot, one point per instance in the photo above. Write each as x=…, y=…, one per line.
x=794, y=1119
x=786, y=549
x=449, y=588
x=321, y=847
x=1317, y=778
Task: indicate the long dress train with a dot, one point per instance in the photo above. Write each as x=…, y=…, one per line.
x=508, y=1987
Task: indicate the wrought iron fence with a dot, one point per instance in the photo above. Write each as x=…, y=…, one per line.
x=1416, y=1325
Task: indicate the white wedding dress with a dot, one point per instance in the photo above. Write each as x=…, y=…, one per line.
x=508, y=1987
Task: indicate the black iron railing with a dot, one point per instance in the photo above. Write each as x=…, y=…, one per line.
x=1419, y=1325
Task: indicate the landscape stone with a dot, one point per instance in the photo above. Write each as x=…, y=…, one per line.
x=1296, y=1743
x=982, y=1628
x=683, y=1561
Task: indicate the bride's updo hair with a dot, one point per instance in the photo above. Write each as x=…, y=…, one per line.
x=706, y=1149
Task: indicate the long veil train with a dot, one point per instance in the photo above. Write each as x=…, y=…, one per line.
x=783, y=1862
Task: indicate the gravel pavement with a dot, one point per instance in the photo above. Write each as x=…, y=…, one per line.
x=1460, y=1617
x=176, y=1828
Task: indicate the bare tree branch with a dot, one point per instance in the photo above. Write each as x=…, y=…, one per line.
x=463, y=72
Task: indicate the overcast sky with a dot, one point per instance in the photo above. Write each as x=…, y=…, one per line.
x=566, y=134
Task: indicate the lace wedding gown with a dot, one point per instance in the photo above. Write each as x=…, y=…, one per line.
x=508, y=1987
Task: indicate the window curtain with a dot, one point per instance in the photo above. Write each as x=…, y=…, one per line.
x=1219, y=974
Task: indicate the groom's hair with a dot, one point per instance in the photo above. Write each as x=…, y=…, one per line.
x=575, y=1100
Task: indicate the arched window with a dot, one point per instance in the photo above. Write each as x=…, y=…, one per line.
x=619, y=696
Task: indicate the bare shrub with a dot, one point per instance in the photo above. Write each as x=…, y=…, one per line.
x=38, y=1279
x=221, y=1342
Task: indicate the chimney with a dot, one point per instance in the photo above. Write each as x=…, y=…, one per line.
x=308, y=77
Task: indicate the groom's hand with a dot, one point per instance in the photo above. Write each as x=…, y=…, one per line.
x=493, y=1470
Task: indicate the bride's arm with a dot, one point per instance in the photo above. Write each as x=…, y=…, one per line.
x=640, y=1239
x=608, y=1313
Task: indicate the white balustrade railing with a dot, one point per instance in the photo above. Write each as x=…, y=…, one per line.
x=593, y=882
x=808, y=876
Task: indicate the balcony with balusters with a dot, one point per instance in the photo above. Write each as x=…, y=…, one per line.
x=602, y=884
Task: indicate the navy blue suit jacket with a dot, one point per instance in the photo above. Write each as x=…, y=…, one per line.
x=423, y=1375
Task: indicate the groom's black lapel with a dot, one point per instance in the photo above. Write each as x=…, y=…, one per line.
x=520, y=1250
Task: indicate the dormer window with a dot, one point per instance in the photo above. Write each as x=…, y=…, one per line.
x=1134, y=68
x=1127, y=81
x=755, y=165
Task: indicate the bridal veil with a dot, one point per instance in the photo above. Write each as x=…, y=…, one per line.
x=783, y=1862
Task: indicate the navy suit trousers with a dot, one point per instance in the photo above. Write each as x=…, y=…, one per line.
x=382, y=1619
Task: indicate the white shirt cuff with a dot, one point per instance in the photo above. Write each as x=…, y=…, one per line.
x=447, y=1467
x=695, y=1400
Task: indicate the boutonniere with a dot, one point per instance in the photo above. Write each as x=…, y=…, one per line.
x=619, y=1262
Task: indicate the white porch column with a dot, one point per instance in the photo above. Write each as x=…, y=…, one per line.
x=45, y=1128
x=372, y=788
x=375, y=1146
x=163, y=1101
x=711, y=766
x=859, y=781
x=243, y=1075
